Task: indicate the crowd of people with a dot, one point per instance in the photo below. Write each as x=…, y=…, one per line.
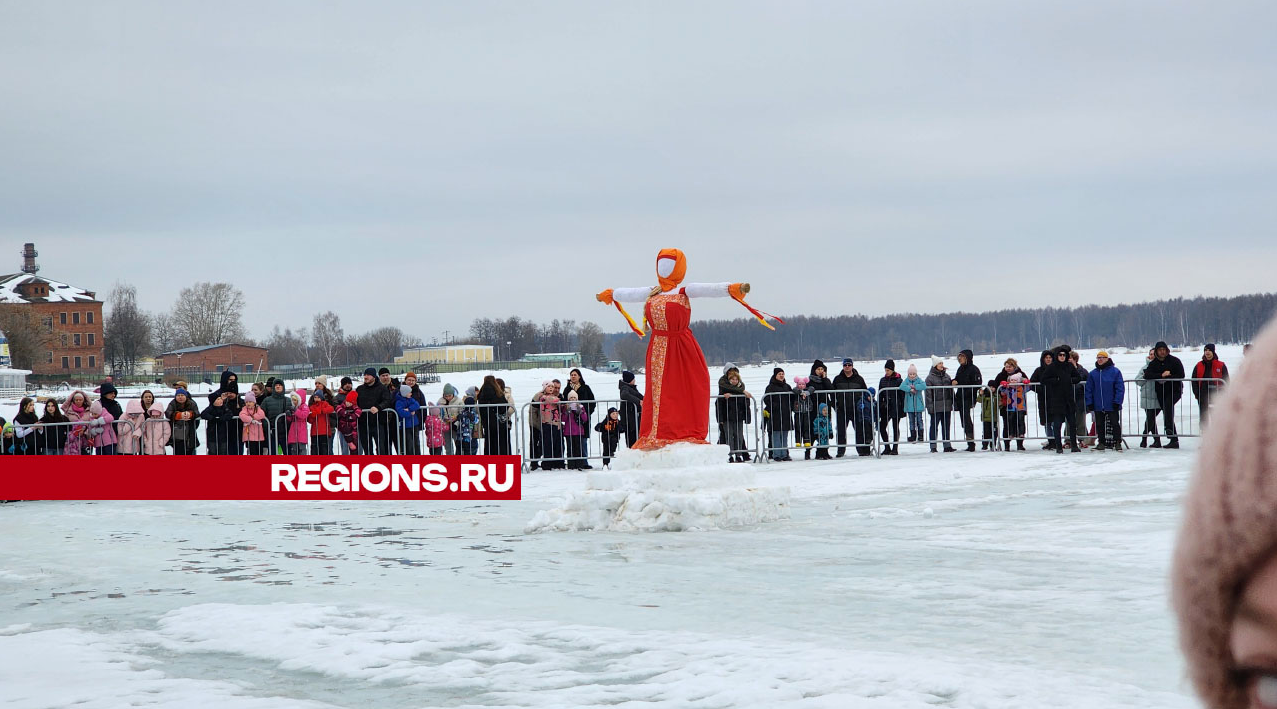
x=383, y=415
x=387, y=415
x=818, y=409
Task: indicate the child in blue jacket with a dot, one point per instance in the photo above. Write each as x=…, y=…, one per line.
x=915, y=402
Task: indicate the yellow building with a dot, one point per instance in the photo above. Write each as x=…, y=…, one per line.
x=446, y=354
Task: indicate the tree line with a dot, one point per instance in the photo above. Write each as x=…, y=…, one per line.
x=1178, y=321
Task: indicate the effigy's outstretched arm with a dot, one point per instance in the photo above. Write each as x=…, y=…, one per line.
x=735, y=291
x=616, y=296
x=716, y=290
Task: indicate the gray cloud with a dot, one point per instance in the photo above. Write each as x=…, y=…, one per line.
x=484, y=159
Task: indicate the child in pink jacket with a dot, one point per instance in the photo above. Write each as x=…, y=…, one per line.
x=105, y=439
x=298, y=433
x=253, y=419
x=434, y=428
x=148, y=430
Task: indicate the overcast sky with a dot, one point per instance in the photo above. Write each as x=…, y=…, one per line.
x=423, y=164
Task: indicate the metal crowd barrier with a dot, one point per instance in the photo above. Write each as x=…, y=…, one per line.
x=46, y=438
x=746, y=426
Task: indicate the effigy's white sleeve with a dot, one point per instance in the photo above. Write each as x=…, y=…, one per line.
x=631, y=295
x=707, y=290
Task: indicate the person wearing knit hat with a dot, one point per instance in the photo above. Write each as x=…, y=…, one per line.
x=406, y=409
x=1209, y=377
x=822, y=391
x=940, y=403
x=1105, y=392
x=914, y=388
x=968, y=381
x=1166, y=372
x=778, y=408
x=891, y=407
x=376, y=402
x=1224, y=570
x=631, y=408
x=183, y=416
x=844, y=405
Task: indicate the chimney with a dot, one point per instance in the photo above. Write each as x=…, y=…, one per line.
x=28, y=258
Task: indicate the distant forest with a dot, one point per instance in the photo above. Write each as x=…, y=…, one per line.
x=1180, y=322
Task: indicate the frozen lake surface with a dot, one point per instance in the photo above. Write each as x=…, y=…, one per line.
x=1034, y=580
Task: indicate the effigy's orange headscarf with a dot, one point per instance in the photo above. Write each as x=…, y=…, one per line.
x=675, y=277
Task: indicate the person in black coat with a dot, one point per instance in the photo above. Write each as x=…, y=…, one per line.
x=584, y=394
x=891, y=407
x=778, y=407
x=820, y=384
x=968, y=375
x=848, y=380
x=492, y=408
x=1058, y=382
x=373, y=399
x=1044, y=362
x=1168, y=373
x=631, y=407
x=223, y=431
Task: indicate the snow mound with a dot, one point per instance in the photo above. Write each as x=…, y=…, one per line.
x=682, y=487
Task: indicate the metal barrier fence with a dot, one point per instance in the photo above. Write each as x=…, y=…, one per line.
x=571, y=434
x=793, y=420
x=69, y=438
x=768, y=427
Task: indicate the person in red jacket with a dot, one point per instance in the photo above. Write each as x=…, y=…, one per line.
x=321, y=424
x=1210, y=368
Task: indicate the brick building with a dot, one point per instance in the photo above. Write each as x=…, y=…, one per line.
x=69, y=317
x=191, y=361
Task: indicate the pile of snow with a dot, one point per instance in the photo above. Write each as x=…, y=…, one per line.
x=682, y=487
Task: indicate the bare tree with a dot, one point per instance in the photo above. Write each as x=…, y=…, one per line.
x=327, y=337
x=384, y=344
x=209, y=314
x=164, y=335
x=631, y=350
x=590, y=344
x=29, y=338
x=287, y=347
x=126, y=332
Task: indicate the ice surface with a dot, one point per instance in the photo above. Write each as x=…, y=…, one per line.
x=682, y=487
x=1039, y=581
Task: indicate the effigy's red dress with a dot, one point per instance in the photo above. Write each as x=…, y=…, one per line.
x=677, y=405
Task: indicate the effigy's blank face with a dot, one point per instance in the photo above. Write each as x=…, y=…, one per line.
x=665, y=266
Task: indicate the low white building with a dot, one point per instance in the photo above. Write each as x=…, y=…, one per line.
x=446, y=354
x=13, y=382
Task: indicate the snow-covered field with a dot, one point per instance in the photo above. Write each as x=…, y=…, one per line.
x=962, y=580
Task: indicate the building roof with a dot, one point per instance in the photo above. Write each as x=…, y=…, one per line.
x=58, y=292
x=201, y=348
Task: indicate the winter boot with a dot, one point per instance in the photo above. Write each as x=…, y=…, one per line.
x=1019, y=444
x=1100, y=446
x=1157, y=443
x=1073, y=447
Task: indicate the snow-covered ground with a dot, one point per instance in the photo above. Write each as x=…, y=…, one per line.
x=961, y=580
